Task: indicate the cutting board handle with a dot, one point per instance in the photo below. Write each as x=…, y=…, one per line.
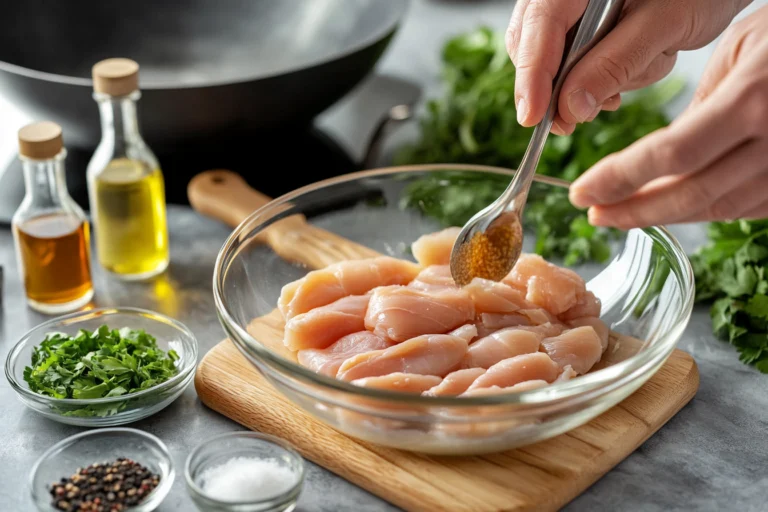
x=224, y=196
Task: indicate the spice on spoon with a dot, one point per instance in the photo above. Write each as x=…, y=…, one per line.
x=104, y=487
x=489, y=254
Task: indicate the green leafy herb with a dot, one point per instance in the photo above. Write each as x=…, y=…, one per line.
x=475, y=122
x=103, y=363
x=731, y=271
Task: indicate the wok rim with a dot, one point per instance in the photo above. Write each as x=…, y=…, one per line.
x=399, y=7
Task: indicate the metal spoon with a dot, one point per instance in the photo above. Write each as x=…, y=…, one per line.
x=490, y=243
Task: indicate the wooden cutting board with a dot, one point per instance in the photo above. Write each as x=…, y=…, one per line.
x=544, y=476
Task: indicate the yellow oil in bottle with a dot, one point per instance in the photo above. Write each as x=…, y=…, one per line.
x=54, y=254
x=131, y=228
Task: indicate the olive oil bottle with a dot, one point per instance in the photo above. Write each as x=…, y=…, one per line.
x=125, y=183
x=50, y=230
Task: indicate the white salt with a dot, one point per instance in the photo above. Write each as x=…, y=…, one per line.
x=247, y=479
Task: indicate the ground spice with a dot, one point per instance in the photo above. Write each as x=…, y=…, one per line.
x=489, y=255
x=104, y=487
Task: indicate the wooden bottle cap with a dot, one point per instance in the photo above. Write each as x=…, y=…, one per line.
x=40, y=141
x=116, y=77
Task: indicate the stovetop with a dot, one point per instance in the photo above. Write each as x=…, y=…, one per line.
x=273, y=163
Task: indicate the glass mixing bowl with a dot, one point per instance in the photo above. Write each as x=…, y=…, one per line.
x=646, y=291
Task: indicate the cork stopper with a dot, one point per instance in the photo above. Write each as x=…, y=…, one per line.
x=116, y=77
x=40, y=141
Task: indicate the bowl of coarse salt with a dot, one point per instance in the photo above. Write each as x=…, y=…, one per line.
x=244, y=472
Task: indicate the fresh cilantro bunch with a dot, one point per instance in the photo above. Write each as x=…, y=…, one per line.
x=99, y=364
x=732, y=270
x=475, y=122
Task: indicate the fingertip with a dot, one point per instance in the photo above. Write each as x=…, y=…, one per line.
x=556, y=129
x=613, y=103
x=597, y=218
x=581, y=197
x=581, y=105
x=565, y=128
x=522, y=111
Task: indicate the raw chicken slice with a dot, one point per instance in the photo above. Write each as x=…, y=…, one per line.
x=506, y=373
x=455, y=383
x=435, y=277
x=568, y=374
x=553, y=288
x=598, y=325
x=492, y=297
x=431, y=354
x=328, y=361
x=400, y=313
x=488, y=323
x=355, y=277
x=528, y=385
x=405, y=382
x=545, y=330
x=502, y=344
x=580, y=348
x=435, y=248
x=586, y=305
x=539, y=316
x=322, y=326
x=496, y=390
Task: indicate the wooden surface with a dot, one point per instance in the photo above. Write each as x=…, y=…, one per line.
x=225, y=196
x=543, y=476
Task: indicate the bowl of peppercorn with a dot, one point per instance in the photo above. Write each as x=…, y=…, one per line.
x=105, y=470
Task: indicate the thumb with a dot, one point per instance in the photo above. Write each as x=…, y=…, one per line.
x=611, y=66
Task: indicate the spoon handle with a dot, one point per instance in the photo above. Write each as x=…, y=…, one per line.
x=598, y=19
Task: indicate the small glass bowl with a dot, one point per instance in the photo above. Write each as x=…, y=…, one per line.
x=119, y=410
x=222, y=448
x=64, y=458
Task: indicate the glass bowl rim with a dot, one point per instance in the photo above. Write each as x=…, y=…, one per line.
x=267, y=438
x=156, y=441
x=180, y=377
x=540, y=396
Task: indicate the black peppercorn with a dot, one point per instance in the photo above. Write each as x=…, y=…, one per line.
x=104, y=487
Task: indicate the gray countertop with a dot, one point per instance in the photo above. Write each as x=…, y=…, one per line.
x=712, y=456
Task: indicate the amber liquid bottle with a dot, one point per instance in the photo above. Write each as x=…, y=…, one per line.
x=51, y=232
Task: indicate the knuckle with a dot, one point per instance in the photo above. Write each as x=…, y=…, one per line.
x=754, y=102
x=612, y=73
x=538, y=9
x=510, y=40
x=727, y=207
x=691, y=197
x=543, y=12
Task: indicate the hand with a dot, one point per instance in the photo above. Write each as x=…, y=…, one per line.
x=640, y=50
x=711, y=163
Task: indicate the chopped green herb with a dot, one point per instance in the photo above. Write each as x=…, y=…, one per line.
x=103, y=363
x=475, y=122
x=731, y=271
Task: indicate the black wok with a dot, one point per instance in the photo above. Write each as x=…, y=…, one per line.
x=209, y=68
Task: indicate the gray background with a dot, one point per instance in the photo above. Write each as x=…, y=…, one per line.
x=712, y=456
